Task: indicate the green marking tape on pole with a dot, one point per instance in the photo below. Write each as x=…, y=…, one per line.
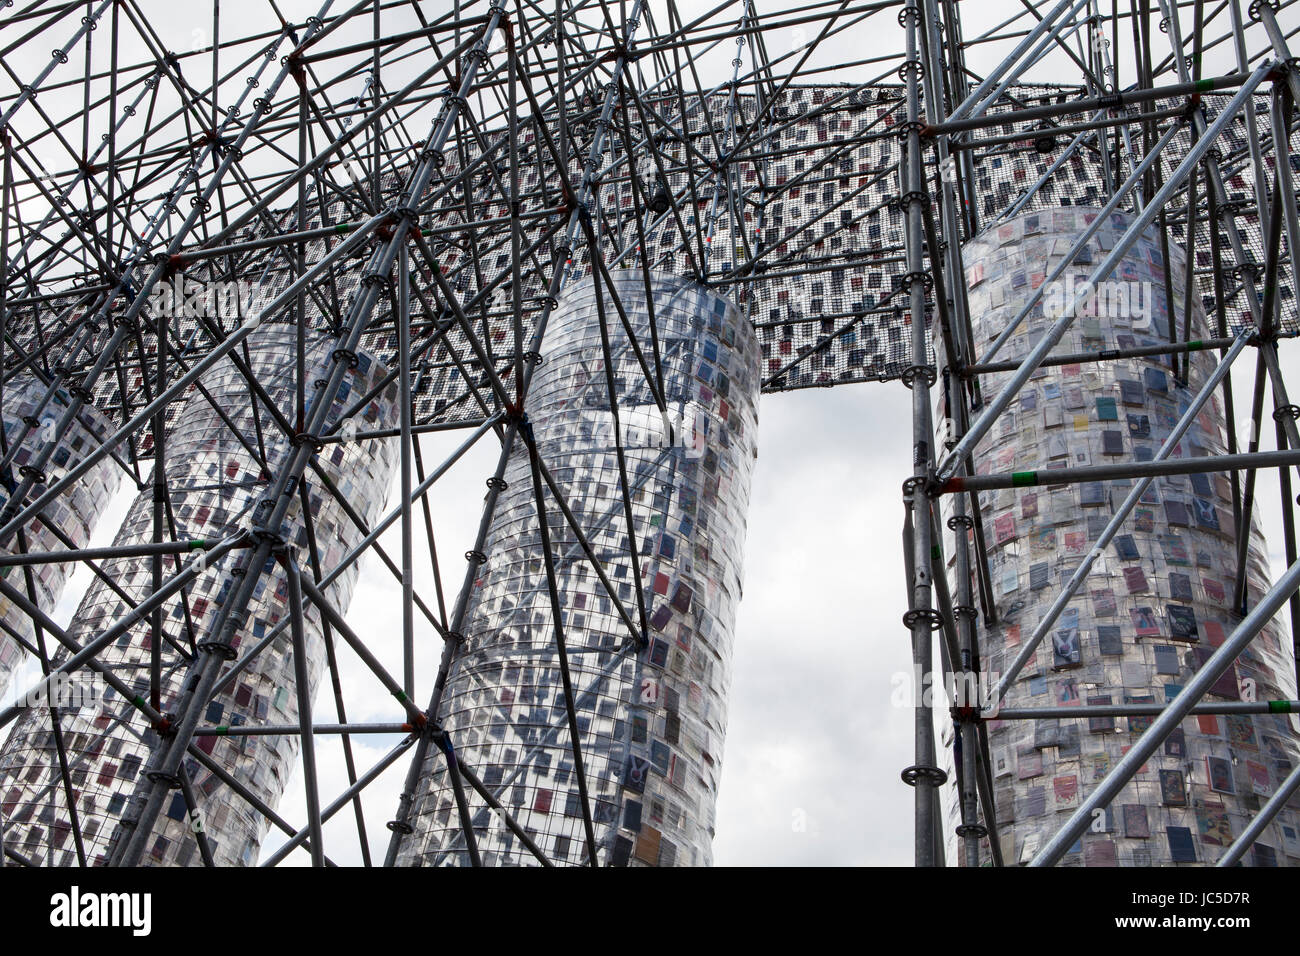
x=1024, y=479
x=1204, y=86
x=138, y=701
x=222, y=731
x=400, y=695
x=1279, y=706
x=1195, y=345
x=198, y=544
x=934, y=552
x=344, y=227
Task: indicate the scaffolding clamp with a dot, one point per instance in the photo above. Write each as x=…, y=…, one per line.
x=619, y=49
x=162, y=776
x=918, y=615
x=315, y=442
x=1255, y=6
x=910, y=487
x=931, y=775
x=31, y=471
x=346, y=355
x=910, y=126
x=279, y=544
x=1280, y=70
x=912, y=372
x=219, y=646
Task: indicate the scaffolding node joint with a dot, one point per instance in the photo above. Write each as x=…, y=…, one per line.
x=923, y=615
x=917, y=774
x=913, y=372
x=172, y=781
x=1256, y=5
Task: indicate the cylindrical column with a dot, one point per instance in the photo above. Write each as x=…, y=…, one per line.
x=1159, y=598
x=217, y=472
x=651, y=721
x=67, y=523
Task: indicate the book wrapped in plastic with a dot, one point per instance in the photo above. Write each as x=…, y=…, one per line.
x=31, y=416
x=651, y=713
x=216, y=457
x=1159, y=598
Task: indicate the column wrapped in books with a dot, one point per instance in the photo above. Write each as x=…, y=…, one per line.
x=31, y=415
x=1159, y=599
x=219, y=457
x=651, y=719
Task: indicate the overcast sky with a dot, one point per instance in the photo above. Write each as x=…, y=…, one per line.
x=814, y=746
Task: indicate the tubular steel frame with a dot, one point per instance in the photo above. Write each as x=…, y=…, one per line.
x=593, y=93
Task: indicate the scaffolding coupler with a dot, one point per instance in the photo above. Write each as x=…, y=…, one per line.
x=932, y=775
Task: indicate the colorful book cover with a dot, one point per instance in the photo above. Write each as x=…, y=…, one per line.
x=1144, y=621
x=1065, y=791
x=1173, y=789
x=1139, y=725
x=1136, y=824
x=1258, y=774
x=1182, y=622
x=1135, y=580
x=1029, y=764
x=1213, y=825
x=1065, y=647
x=1181, y=847
x=1099, y=765
x=1176, y=743
x=1219, y=774
x=1241, y=731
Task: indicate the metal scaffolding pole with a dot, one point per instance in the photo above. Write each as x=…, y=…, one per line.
x=921, y=619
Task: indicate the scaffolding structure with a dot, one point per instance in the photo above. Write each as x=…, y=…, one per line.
x=421, y=182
